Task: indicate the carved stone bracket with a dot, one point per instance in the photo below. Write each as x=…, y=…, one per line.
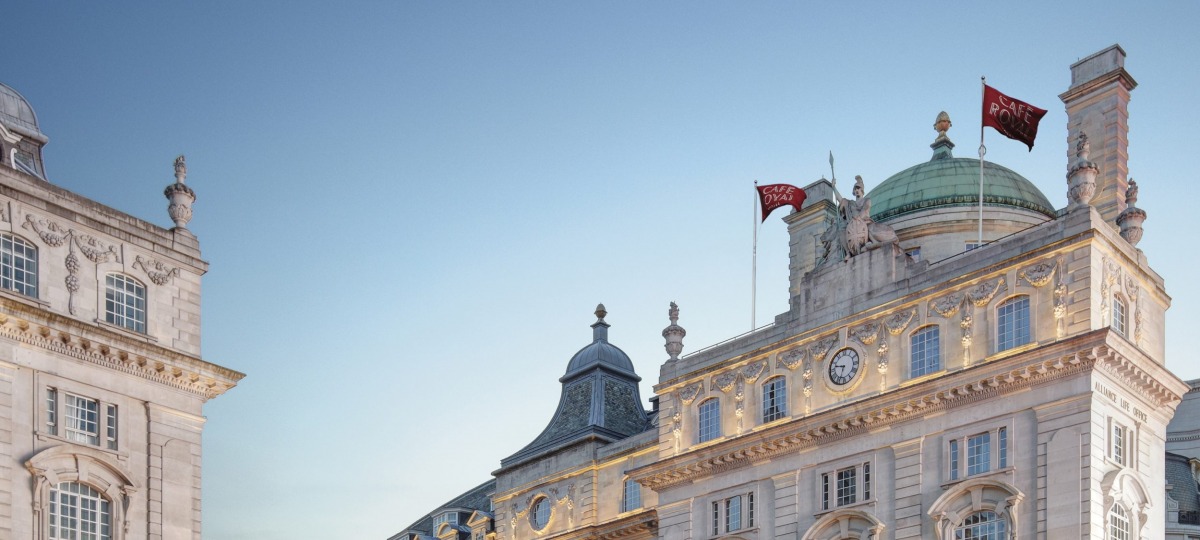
x=56, y=235
x=946, y=306
x=159, y=273
x=897, y=323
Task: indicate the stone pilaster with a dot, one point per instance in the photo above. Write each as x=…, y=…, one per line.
x=1098, y=104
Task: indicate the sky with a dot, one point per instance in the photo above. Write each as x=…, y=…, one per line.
x=411, y=209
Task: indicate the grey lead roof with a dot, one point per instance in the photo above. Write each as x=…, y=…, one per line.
x=478, y=498
x=599, y=400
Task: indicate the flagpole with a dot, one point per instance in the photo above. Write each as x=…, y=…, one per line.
x=754, y=255
x=982, y=152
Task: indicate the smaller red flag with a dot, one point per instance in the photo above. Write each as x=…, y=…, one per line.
x=1013, y=118
x=773, y=196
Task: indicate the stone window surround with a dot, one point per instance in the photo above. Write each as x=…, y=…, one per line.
x=115, y=319
x=1129, y=446
x=700, y=420
x=962, y=434
x=714, y=511
x=62, y=387
x=85, y=465
x=978, y=494
x=781, y=398
x=829, y=470
x=1120, y=311
x=626, y=504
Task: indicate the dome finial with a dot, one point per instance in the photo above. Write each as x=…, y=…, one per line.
x=941, y=145
x=600, y=328
x=1131, y=218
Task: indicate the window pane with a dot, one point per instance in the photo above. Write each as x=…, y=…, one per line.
x=1118, y=523
x=1003, y=447
x=125, y=302
x=1013, y=323
x=710, y=420
x=78, y=512
x=954, y=460
x=926, y=351
x=733, y=513
x=1118, y=322
x=18, y=265
x=1118, y=444
x=632, y=497
x=846, y=479
x=774, y=399
x=979, y=454
x=82, y=419
x=982, y=526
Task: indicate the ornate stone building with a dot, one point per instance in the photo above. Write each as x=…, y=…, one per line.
x=101, y=377
x=923, y=384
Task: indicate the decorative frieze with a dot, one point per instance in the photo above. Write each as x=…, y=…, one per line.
x=822, y=430
x=56, y=235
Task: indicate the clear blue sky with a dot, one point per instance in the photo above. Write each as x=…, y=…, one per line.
x=412, y=208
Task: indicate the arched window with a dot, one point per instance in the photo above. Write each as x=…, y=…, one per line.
x=1118, y=315
x=632, y=499
x=774, y=399
x=125, y=302
x=1012, y=327
x=18, y=265
x=539, y=517
x=926, y=351
x=984, y=525
x=710, y=420
x=1118, y=523
x=77, y=511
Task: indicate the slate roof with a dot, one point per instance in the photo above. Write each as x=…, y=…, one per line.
x=478, y=498
x=599, y=400
x=1183, y=485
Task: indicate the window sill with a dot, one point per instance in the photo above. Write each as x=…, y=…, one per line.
x=137, y=335
x=14, y=295
x=736, y=532
x=47, y=437
x=998, y=472
x=858, y=504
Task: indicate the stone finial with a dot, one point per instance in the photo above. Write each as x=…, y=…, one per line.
x=1130, y=219
x=942, y=123
x=674, y=333
x=1081, y=179
x=942, y=146
x=600, y=312
x=180, y=196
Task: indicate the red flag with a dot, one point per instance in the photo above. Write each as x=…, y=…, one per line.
x=773, y=196
x=1013, y=118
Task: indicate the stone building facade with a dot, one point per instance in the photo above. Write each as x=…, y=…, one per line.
x=925, y=383
x=102, y=382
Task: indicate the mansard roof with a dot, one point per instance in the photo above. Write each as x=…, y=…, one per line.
x=478, y=498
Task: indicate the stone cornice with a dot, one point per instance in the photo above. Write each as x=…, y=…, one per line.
x=644, y=524
x=112, y=350
x=983, y=381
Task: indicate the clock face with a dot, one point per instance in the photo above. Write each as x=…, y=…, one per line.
x=843, y=367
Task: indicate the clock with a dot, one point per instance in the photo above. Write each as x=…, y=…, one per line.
x=843, y=367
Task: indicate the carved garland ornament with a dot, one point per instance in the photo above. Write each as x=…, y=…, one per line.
x=1038, y=274
x=158, y=272
x=688, y=393
x=897, y=323
x=982, y=294
x=947, y=306
x=865, y=334
x=791, y=359
x=56, y=235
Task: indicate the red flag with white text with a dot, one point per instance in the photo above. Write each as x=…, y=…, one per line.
x=1013, y=118
x=774, y=196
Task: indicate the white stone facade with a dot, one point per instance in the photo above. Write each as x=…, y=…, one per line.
x=1010, y=390
x=101, y=379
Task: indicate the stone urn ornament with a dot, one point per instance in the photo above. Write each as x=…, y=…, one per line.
x=1131, y=218
x=180, y=196
x=1081, y=180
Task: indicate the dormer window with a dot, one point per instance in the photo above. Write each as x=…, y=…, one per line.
x=448, y=517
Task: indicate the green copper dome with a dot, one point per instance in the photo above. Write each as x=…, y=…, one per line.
x=949, y=181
